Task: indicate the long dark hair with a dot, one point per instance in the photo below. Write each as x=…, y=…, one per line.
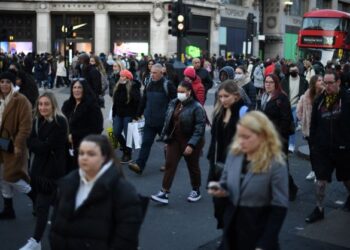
x=106, y=149
x=312, y=87
x=278, y=88
x=87, y=92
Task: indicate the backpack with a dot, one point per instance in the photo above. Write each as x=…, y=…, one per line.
x=165, y=86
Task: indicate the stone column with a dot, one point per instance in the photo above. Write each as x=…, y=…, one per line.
x=102, y=33
x=312, y=4
x=159, y=42
x=43, y=31
x=334, y=4
x=214, y=37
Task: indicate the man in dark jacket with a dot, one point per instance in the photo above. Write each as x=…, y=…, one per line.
x=153, y=106
x=203, y=74
x=330, y=140
x=294, y=86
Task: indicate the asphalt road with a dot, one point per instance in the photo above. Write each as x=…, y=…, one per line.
x=187, y=226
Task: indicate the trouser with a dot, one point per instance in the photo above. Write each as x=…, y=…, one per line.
x=174, y=153
x=149, y=133
x=42, y=209
x=8, y=188
x=120, y=124
x=291, y=184
x=61, y=81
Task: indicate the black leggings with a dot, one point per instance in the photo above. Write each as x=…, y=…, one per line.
x=42, y=209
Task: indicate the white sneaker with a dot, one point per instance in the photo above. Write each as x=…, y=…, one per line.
x=31, y=245
x=291, y=148
x=194, y=196
x=311, y=176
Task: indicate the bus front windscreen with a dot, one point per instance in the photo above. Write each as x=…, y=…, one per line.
x=318, y=23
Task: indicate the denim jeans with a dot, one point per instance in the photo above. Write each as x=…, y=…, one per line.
x=149, y=133
x=120, y=124
x=292, y=137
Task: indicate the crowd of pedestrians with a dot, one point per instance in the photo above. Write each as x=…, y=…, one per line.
x=258, y=107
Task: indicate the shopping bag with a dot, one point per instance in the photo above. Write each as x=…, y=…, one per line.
x=138, y=133
x=111, y=137
x=134, y=135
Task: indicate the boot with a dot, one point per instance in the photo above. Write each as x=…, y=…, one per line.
x=126, y=158
x=8, y=213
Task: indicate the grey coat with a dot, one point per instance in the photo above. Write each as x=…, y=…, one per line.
x=262, y=200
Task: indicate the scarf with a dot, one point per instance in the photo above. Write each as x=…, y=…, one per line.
x=265, y=98
x=330, y=100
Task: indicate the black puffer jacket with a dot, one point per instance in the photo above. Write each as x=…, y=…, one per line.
x=110, y=217
x=192, y=120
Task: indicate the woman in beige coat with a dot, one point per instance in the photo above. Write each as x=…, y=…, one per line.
x=15, y=124
x=304, y=108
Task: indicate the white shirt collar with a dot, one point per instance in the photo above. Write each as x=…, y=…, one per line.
x=93, y=180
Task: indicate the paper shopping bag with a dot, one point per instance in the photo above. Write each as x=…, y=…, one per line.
x=129, y=136
x=138, y=133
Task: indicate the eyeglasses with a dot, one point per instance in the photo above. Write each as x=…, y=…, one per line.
x=329, y=82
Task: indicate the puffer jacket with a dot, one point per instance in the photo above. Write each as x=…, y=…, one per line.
x=192, y=121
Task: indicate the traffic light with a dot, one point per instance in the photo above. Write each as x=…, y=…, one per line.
x=251, y=28
x=172, y=17
x=188, y=18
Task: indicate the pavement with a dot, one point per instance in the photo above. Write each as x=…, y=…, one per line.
x=188, y=226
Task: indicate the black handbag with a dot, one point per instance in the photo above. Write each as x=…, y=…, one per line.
x=6, y=144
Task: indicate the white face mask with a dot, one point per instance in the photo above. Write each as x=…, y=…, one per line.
x=239, y=77
x=182, y=97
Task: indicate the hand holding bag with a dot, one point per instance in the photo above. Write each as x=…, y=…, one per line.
x=6, y=144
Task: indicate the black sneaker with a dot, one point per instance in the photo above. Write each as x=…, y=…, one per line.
x=161, y=197
x=346, y=206
x=316, y=215
x=194, y=196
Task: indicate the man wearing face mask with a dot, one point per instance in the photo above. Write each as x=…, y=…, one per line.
x=294, y=86
x=244, y=81
x=153, y=106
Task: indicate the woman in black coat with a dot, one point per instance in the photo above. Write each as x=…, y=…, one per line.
x=276, y=105
x=108, y=216
x=84, y=116
x=228, y=110
x=183, y=132
x=47, y=143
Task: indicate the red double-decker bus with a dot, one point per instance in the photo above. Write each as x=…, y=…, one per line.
x=325, y=34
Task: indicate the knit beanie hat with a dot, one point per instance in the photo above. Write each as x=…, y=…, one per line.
x=126, y=73
x=190, y=73
x=8, y=75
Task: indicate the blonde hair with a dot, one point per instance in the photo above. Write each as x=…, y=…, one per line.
x=128, y=86
x=120, y=64
x=270, y=147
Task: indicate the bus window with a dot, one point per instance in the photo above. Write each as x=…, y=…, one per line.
x=315, y=23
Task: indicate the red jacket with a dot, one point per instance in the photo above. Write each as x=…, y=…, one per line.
x=199, y=90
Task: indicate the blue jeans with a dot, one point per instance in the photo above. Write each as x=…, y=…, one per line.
x=149, y=133
x=120, y=124
x=295, y=120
